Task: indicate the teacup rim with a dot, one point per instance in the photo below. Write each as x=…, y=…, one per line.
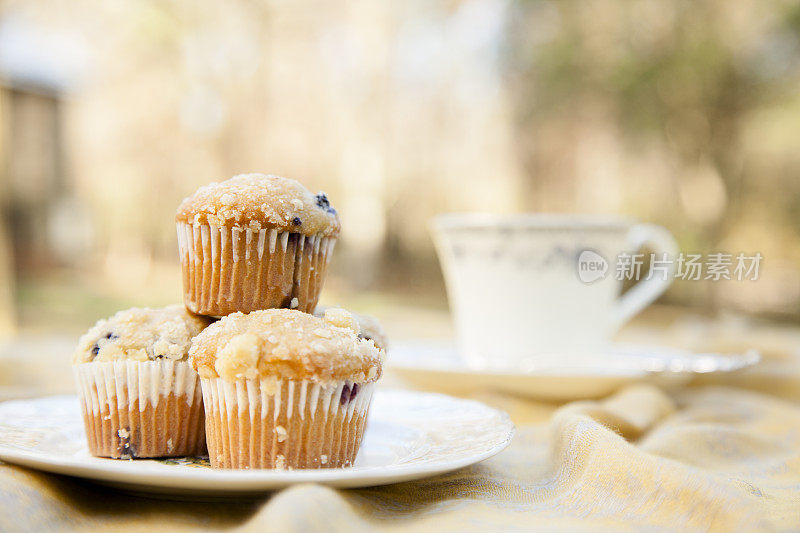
x=479, y=220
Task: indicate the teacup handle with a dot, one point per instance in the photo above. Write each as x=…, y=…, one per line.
x=645, y=292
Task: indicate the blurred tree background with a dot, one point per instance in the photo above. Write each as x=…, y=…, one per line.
x=679, y=112
x=682, y=112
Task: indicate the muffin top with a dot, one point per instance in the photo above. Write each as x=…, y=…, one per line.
x=141, y=334
x=259, y=201
x=368, y=326
x=286, y=344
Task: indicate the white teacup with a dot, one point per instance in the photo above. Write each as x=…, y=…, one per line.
x=535, y=290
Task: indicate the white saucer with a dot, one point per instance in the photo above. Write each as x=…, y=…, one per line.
x=438, y=366
x=410, y=435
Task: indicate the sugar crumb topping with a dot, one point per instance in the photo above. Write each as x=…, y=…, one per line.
x=340, y=318
x=367, y=326
x=287, y=344
x=141, y=334
x=261, y=201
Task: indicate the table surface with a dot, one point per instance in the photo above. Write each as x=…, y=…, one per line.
x=722, y=453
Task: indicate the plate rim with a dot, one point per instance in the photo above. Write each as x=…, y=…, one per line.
x=176, y=477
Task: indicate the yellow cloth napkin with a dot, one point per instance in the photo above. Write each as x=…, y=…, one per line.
x=710, y=457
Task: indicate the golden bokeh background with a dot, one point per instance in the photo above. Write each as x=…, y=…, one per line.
x=683, y=113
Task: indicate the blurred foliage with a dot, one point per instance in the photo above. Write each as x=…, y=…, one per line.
x=705, y=89
x=678, y=112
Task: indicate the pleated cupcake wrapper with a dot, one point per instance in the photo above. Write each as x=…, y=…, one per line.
x=141, y=409
x=238, y=269
x=284, y=424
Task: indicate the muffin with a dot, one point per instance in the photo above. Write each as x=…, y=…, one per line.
x=284, y=389
x=254, y=242
x=368, y=326
x=139, y=395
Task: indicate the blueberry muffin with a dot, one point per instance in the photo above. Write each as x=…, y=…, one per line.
x=368, y=327
x=139, y=395
x=284, y=389
x=254, y=242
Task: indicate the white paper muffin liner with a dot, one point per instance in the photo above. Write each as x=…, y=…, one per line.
x=284, y=424
x=238, y=269
x=141, y=408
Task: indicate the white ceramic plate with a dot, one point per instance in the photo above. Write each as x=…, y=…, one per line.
x=410, y=435
x=438, y=366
